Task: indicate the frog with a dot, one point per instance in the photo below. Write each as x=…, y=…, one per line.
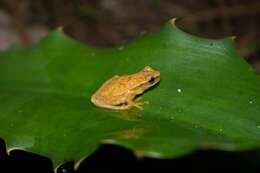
x=119, y=92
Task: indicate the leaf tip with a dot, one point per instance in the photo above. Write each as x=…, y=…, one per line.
x=60, y=28
x=173, y=21
x=233, y=37
x=139, y=154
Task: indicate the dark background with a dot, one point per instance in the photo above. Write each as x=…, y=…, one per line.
x=110, y=158
x=106, y=23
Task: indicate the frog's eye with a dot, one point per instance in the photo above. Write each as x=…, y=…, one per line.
x=151, y=80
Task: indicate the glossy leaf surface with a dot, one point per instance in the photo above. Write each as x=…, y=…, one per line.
x=208, y=97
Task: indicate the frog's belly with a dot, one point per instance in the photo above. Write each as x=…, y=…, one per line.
x=113, y=104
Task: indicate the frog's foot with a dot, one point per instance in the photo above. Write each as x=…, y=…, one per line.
x=138, y=100
x=136, y=103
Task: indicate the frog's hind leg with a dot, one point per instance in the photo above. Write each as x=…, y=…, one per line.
x=119, y=104
x=117, y=107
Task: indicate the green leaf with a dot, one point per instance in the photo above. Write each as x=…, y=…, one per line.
x=208, y=97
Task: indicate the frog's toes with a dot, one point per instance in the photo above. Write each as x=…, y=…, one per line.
x=139, y=107
x=138, y=99
x=144, y=102
x=139, y=104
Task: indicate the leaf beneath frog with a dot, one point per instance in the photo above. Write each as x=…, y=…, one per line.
x=208, y=97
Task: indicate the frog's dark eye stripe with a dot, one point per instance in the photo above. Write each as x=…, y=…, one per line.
x=151, y=80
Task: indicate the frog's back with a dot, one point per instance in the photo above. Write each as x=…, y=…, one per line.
x=116, y=86
x=113, y=87
x=107, y=89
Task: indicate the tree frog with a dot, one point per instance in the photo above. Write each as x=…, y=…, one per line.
x=119, y=91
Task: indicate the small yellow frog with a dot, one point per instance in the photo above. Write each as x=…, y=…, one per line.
x=119, y=91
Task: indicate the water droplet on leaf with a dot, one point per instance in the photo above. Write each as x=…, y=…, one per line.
x=179, y=90
x=220, y=131
x=258, y=125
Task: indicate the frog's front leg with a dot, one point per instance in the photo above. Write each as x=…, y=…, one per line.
x=132, y=103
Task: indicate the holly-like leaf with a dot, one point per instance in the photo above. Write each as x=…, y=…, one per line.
x=208, y=97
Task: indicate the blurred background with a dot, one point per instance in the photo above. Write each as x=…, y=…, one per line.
x=105, y=23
